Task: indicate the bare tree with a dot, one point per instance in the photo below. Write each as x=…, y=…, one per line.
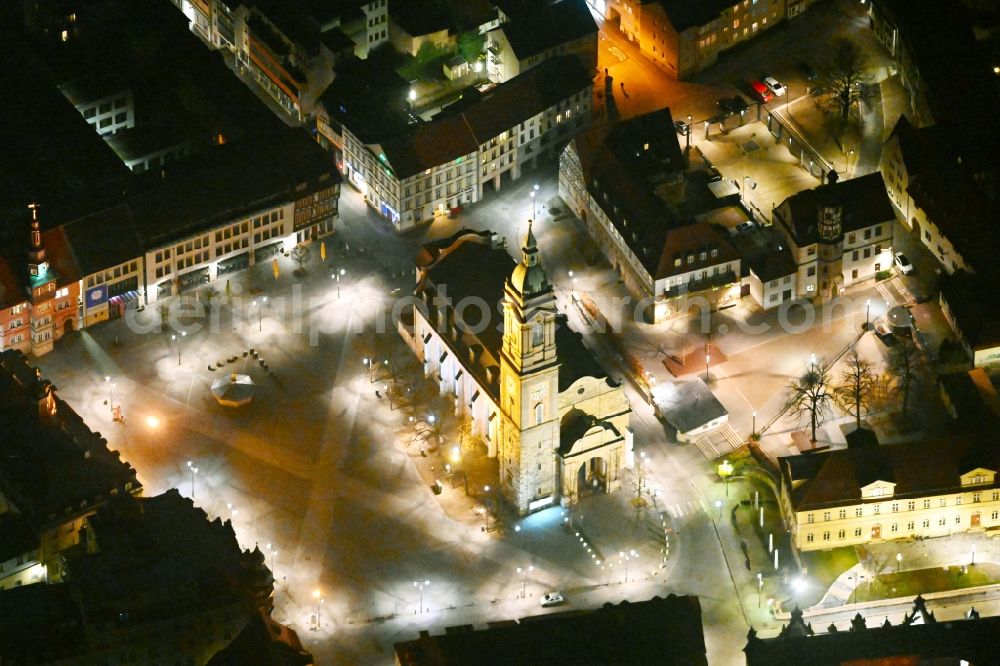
x=300, y=253
x=904, y=364
x=844, y=83
x=810, y=394
x=856, y=389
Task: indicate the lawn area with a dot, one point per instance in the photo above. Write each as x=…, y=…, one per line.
x=825, y=566
x=923, y=581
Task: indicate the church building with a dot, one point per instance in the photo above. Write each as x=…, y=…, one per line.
x=558, y=424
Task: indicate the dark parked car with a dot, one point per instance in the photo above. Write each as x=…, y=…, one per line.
x=730, y=106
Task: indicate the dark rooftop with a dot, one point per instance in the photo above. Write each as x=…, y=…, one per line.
x=684, y=14
x=468, y=266
x=164, y=557
x=40, y=605
x=688, y=405
x=547, y=25
x=665, y=631
x=974, y=302
x=835, y=478
x=863, y=199
x=52, y=466
x=918, y=639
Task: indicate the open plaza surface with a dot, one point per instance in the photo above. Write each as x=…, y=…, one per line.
x=320, y=472
x=340, y=469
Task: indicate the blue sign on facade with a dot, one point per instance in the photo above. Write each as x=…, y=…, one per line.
x=97, y=296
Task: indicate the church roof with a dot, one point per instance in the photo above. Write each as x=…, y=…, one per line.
x=469, y=266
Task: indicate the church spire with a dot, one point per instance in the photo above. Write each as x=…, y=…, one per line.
x=37, y=265
x=529, y=277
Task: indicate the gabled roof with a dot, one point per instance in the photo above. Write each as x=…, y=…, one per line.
x=453, y=134
x=835, y=478
x=864, y=202
x=467, y=266
x=691, y=241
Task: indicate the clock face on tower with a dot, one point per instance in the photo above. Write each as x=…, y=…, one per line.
x=538, y=393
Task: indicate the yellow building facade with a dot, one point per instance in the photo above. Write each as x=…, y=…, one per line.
x=850, y=497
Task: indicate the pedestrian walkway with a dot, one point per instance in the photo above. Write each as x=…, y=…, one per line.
x=682, y=509
x=719, y=442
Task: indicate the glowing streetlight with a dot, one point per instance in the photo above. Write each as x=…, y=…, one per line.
x=899, y=561
x=178, y=339
x=524, y=573
x=754, y=427
x=152, y=422
x=718, y=505
x=420, y=585
x=111, y=393
x=260, y=312
x=318, y=596
x=336, y=276
x=868, y=308
x=194, y=470
x=725, y=471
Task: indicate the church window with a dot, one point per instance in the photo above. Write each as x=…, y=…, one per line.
x=536, y=334
x=539, y=413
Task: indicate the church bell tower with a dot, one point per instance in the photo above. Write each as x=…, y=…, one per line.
x=529, y=386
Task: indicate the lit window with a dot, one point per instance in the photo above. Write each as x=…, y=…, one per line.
x=65, y=35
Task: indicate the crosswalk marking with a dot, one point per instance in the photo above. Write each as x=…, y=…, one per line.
x=682, y=509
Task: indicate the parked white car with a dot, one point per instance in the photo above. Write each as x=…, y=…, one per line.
x=551, y=599
x=774, y=86
x=902, y=263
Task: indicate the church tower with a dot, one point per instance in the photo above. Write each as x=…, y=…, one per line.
x=529, y=386
x=42, y=287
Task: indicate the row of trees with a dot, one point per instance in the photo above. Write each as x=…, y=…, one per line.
x=814, y=394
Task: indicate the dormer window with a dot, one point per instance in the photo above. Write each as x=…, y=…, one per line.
x=715, y=252
x=677, y=262
x=702, y=256
x=690, y=258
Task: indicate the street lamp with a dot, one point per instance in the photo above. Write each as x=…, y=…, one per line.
x=412, y=96
x=708, y=359
x=754, y=427
x=111, y=393
x=152, y=422
x=868, y=308
x=420, y=585
x=760, y=587
x=533, y=210
x=718, y=505
x=899, y=561
x=260, y=313
x=318, y=596
x=687, y=134
x=625, y=557
x=194, y=470
x=486, y=510
x=725, y=470
x=178, y=339
x=336, y=276
x=524, y=572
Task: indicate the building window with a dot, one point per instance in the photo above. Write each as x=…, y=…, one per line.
x=909, y=525
x=958, y=520
x=926, y=524
x=942, y=502
x=910, y=506
x=826, y=515
x=809, y=537
x=809, y=518
x=842, y=514
x=539, y=413
x=841, y=534
x=857, y=531
x=876, y=509
x=894, y=527
x=895, y=507
x=942, y=522
x=826, y=536
x=858, y=512
x=994, y=515
x=927, y=504
x=958, y=500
